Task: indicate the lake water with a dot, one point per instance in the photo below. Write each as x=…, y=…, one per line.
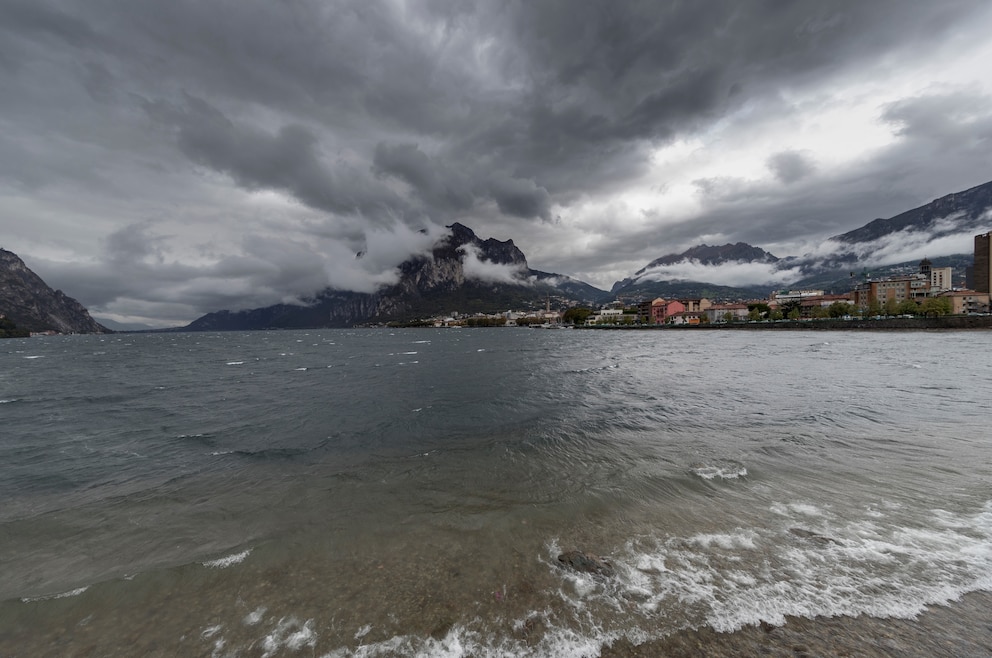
x=407, y=493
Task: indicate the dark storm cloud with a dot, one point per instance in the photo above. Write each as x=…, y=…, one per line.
x=287, y=160
x=512, y=114
x=440, y=188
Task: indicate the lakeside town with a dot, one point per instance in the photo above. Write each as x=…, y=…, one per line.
x=929, y=292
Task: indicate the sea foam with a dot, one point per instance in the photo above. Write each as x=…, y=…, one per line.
x=51, y=597
x=227, y=561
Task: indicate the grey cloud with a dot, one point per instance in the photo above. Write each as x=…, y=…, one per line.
x=440, y=188
x=791, y=166
x=25, y=17
x=521, y=198
x=133, y=243
x=287, y=160
x=955, y=118
x=447, y=190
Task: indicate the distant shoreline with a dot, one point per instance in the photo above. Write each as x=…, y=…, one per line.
x=884, y=324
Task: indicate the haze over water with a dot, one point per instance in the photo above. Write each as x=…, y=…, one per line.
x=379, y=493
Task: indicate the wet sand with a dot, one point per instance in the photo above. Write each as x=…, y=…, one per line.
x=962, y=629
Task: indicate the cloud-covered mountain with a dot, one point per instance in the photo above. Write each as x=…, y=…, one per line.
x=31, y=303
x=461, y=273
x=945, y=225
x=702, y=271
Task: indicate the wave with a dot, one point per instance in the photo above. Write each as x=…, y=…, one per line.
x=52, y=597
x=228, y=560
x=724, y=471
x=822, y=567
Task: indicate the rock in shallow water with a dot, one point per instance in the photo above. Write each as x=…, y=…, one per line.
x=586, y=563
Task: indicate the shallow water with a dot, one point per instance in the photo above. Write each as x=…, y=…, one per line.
x=407, y=493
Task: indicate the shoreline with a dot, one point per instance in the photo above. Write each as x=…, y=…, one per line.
x=955, y=629
x=950, y=322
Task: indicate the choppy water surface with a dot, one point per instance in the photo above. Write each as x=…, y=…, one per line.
x=378, y=493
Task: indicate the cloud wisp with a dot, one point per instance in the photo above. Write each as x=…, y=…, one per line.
x=476, y=267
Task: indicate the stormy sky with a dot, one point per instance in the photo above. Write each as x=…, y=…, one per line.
x=160, y=160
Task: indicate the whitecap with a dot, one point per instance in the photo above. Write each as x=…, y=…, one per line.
x=254, y=617
x=725, y=472
x=227, y=561
x=51, y=597
x=235, y=363
x=35, y=357
x=210, y=631
x=290, y=634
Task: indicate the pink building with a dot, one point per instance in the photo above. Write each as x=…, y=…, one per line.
x=673, y=308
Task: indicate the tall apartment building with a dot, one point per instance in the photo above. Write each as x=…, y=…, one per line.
x=981, y=273
x=898, y=288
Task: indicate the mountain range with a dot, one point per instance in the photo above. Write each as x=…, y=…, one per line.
x=839, y=258
x=462, y=273
x=29, y=302
x=468, y=274
x=443, y=281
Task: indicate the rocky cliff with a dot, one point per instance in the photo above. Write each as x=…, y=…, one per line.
x=31, y=304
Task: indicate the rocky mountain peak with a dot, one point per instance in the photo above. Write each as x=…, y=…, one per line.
x=502, y=252
x=32, y=304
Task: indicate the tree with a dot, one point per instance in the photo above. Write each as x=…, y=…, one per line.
x=908, y=307
x=753, y=315
x=891, y=306
x=874, y=308
x=936, y=306
x=9, y=330
x=728, y=317
x=839, y=309
x=576, y=315
x=762, y=308
x=788, y=307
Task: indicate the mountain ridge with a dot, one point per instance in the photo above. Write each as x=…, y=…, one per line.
x=428, y=284
x=966, y=211
x=439, y=281
x=32, y=304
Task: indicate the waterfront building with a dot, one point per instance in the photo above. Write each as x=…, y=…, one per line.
x=982, y=273
x=967, y=301
x=718, y=312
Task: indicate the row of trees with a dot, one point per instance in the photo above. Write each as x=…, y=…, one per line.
x=9, y=330
x=792, y=310
x=757, y=311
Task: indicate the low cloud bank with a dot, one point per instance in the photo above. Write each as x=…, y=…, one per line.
x=732, y=273
x=946, y=236
x=143, y=280
x=484, y=270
